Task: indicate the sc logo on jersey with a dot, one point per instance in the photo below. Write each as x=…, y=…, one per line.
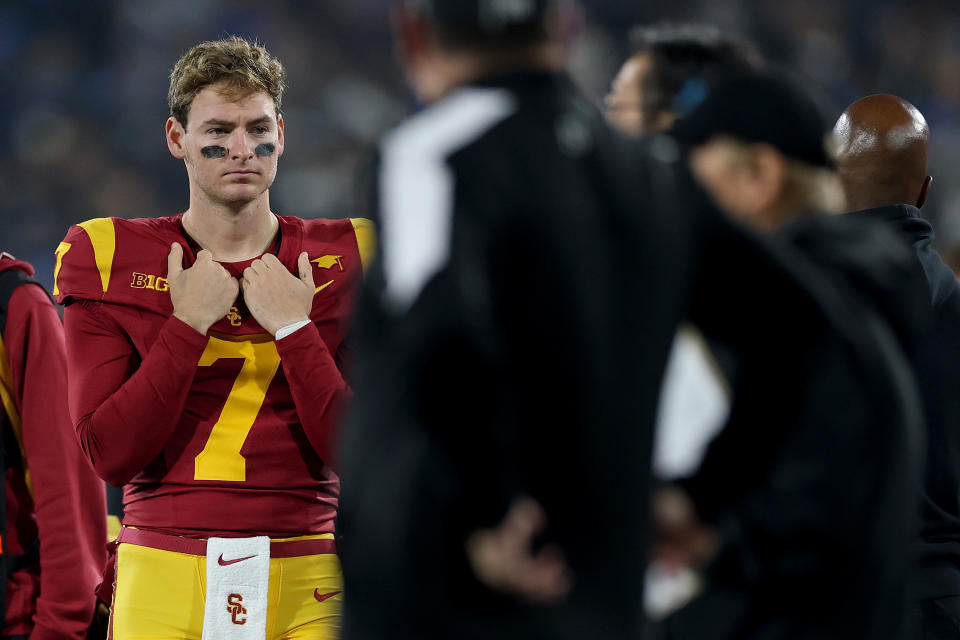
x=147, y=281
x=236, y=609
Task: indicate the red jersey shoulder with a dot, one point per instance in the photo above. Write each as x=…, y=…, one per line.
x=338, y=247
x=116, y=260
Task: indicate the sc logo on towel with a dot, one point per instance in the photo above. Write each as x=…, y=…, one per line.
x=236, y=609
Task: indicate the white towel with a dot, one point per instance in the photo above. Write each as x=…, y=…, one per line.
x=694, y=406
x=667, y=591
x=238, y=578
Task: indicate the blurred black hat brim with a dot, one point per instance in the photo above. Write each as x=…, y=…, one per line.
x=762, y=108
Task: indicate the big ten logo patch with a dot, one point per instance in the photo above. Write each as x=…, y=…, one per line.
x=147, y=281
x=236, y=609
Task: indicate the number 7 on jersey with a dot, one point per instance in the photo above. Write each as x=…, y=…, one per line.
x=220, y=458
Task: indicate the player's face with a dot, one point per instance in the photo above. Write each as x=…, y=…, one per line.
x=230, y=146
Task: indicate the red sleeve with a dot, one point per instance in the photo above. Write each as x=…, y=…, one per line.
x=69, y=499
x=125, y=410
x=317, y=386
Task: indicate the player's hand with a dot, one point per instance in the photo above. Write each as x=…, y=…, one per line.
x=503, y=558
x=274, y=296
x=202, y=294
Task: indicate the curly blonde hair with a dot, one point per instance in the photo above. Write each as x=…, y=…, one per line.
x=242, y=66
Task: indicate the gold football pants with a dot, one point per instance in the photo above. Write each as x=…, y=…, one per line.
x=160, y=594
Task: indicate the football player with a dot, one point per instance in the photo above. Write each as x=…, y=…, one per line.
x=205, y=355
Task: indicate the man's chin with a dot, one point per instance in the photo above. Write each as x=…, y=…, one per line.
x=239, y=194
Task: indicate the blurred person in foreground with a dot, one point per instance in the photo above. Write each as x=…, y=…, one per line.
x=882, y=164
x=815, y=546
x=205, y=353
x=513, y=335
x=671, y=66
x=52, y=506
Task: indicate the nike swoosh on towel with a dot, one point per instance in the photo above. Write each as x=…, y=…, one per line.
x=224, y=563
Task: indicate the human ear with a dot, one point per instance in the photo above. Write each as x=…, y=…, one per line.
x=924, y=191
x=175, y=133
x=280, y=135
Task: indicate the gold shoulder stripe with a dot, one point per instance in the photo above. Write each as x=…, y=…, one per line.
x=61, y=251
x=366, y=240
x=104, y=240
x=10, y=408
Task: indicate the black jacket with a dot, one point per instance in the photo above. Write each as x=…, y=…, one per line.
x=512, y=337
x=816, y=538
x=937, y=550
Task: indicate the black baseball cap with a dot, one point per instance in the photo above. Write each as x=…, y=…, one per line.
x=488, y=16
x=761, y=107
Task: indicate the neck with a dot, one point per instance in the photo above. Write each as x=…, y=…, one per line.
x=232, y=233
x=872, y=201
x=452, y=70
x=871, y=189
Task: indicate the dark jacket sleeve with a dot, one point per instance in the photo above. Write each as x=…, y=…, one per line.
x=755, y=297
x=813, y=480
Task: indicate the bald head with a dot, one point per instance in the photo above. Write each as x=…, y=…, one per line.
x=882, y=153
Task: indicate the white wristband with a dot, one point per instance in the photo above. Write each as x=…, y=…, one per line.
x=283, y=332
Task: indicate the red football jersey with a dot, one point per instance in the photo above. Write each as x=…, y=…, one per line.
x=223, y=434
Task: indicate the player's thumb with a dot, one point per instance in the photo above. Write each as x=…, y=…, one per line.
x=175, y=261
x=306, y=271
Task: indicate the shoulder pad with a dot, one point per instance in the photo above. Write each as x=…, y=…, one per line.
x=344, y=243
x=109, y=259
x=366, y=235
x=85, y=260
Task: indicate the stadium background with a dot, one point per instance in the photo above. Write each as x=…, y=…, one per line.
x=84, y=92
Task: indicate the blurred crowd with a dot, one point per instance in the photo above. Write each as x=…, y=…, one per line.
x=85, y=92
